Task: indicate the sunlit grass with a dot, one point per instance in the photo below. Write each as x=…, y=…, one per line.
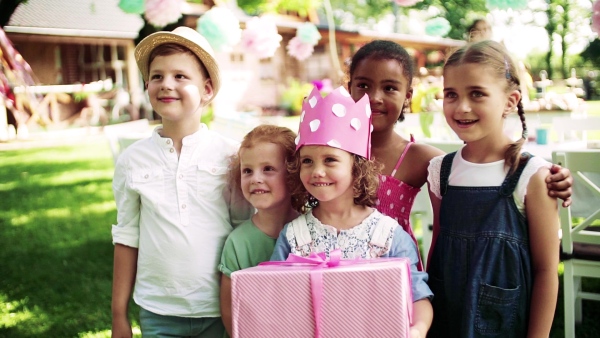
x=56, y=213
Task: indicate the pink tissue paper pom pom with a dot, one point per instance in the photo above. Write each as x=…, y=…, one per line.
x=596, y=17
x=406, y=3
x=298, y=49
x=260, y=37
x=163, y=12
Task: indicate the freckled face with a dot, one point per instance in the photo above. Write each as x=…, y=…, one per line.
x=263, y=175
x=387, y=86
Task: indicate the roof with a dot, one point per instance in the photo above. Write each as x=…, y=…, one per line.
x=82, y=18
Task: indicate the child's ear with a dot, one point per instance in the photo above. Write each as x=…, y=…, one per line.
x=146, y=85
x=208, y=91
x=409, y=93
x=514, y=98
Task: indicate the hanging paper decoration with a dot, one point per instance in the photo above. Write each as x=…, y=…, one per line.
x=299, y=49
x=160, y=13
x=507, y=4
x=406, y=3
x=260, y=37
x=132, y=6
x=221, y=28
x=308, y=33
x=596, y=17
x=303, y=44
x=437, y=27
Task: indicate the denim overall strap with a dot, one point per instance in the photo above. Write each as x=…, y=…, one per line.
x=510, y=182
x=445, y=172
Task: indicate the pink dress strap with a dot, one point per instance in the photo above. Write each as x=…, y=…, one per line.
x=412, y=140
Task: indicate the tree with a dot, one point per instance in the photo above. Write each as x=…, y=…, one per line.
x=7, y=8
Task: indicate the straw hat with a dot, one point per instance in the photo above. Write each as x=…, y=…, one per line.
x=186, y=37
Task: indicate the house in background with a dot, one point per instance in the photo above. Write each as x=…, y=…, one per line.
x=249, y=82
x=70, y=42
x=83, y=41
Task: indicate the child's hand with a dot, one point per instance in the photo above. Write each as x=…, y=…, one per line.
x=121, y=328
x=560, y=183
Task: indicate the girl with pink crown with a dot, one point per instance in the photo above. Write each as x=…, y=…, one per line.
x=334, y=182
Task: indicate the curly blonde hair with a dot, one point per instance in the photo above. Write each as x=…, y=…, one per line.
x=365, y=173
x=281, y=136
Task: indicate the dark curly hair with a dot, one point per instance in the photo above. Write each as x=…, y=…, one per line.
x=365, y=173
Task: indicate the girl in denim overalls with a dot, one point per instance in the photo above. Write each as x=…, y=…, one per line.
x=494, y=258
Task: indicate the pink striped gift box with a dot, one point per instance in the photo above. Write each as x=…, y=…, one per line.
x=368, y=298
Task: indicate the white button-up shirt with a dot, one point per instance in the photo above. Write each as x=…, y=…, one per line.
x=178, y=213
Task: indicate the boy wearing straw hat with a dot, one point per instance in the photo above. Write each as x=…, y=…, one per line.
x=174, y=208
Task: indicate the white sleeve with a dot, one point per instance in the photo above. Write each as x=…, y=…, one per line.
x=127, y=229
x=534, y=164
x=433, y=175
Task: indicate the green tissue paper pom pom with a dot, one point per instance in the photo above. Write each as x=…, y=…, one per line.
x=308, y=33
x=132, y=6
x=437, y=27
x=507, y=4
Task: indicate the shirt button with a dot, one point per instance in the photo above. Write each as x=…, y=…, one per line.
x=168, y=141
x=171, y=150
x=146, y=176
x=213, y=170
x=180, y=176
x=183, y=206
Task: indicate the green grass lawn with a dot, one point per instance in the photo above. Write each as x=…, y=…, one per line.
x=56, y=253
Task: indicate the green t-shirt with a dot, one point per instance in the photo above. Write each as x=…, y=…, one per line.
x=245, y=247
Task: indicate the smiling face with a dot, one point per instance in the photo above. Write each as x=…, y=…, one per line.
x=387, y=86
x=177, y=87
x=326, y=173
x=263, y=176
x=476, y=100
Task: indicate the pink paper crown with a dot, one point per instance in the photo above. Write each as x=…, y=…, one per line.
x=336, y=121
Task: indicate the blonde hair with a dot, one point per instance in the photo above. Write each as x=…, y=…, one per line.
x=365, y=174
x=493, y=55
x=281, y=136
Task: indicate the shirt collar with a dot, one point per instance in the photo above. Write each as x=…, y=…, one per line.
x=190, y=140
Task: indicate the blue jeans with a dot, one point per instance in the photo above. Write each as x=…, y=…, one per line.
x=159, y=326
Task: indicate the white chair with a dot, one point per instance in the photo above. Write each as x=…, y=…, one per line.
x=121, y=135
x=422, y=213
x=580, y=245
x=563, y=125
